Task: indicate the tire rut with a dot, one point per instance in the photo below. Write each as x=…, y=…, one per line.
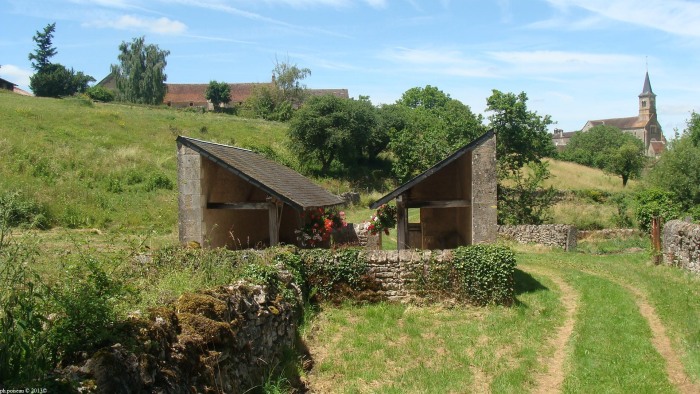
x=662, y=343
x=551, y=380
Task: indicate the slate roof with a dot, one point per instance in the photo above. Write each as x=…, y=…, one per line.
x=633, y=122
x=430, y=171
x=646, y=89
x=275, y=179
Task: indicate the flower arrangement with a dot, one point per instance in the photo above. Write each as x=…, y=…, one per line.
x=383, y=220
x=318, y=225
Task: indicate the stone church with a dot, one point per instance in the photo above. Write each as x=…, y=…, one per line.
x=644, y=126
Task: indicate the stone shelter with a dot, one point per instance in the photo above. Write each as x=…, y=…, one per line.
x=456, y=198
x=233, y=197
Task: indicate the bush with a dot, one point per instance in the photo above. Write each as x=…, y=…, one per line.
x=100, y=93
x=159, y=181
x=16, y=210
x=652, y=203
x=85, y=304
x=326, y=269
x=485, y=274
x=23, y=354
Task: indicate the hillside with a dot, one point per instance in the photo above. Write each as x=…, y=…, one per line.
x=113, y=166
x=107, y=165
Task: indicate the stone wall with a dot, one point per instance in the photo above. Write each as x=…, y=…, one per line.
x=224, y=340
x=681, y=245
x=559, y=235
x=393, y=275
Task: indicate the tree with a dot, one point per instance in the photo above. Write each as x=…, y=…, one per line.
x=286, y=92
x=218, y=93
x=44, y=51
x=140, y=74
x=522, y=135
x=328, y=128
x=626, y=161
x=607, y=148
x=287, y=79
x=53, y=80
x=426, y=126
x=522, y=140
x=678, y=170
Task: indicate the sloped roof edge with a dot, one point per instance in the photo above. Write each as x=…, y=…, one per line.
x=192, y=144
x=430, y=171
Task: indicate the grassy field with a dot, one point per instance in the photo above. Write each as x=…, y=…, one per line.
x=581, y=325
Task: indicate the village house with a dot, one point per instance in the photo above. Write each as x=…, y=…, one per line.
x=183, y=95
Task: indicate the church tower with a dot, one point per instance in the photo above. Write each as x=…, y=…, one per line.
x=647, y=101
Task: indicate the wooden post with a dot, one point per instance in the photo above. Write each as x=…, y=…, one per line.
x=273, y=224
x=656, y=238
x=401, y=223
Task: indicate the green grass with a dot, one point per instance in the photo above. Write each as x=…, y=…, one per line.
x=394, y=348
x=109, y=166
x=433, y=349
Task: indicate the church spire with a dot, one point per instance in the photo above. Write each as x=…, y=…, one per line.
x=647, y=100
x=646, y=90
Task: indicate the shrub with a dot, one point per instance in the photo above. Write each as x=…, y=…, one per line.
x=326, y=269
x=23, y=355
x=100, y=93
x=655, y=202
x=17, y=210
x=159, y=181
x=485, y=273
x=85, y=302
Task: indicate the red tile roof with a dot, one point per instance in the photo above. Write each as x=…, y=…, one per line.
x=621, y=123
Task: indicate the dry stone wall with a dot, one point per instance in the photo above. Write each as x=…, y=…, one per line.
x=559, y=235
x=681, y=245
x=224, y=340
x=396, y=275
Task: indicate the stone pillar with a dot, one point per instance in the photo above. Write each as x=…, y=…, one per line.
x=483, y=198
x=190, y=199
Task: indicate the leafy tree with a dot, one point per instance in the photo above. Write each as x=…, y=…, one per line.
x=678, y=169
x=607, y=148
x=627, y=161
x=522, y=135
x=218, y=93
x=522, y=140
x=425, y=127
x=44, y=50
x=278, y=100
x=53, y=80
x=287, y=79
x=328, y=128
x=140, y=74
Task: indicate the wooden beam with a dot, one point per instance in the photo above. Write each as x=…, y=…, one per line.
x=273, y=224
x=239, y=205
x=438, y=204
x=401, y=223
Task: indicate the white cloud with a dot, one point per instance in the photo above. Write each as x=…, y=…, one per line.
x=678, y=17
x=15, y=74
x=129, y=22
x=544, y=62
x=443, y=61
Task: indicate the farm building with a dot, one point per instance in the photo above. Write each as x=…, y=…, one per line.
x=456, y=199
x=236, y=198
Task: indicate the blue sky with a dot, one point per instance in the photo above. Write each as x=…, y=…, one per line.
x=576, y=59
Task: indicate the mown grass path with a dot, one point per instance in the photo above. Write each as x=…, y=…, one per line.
x=551, y=380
